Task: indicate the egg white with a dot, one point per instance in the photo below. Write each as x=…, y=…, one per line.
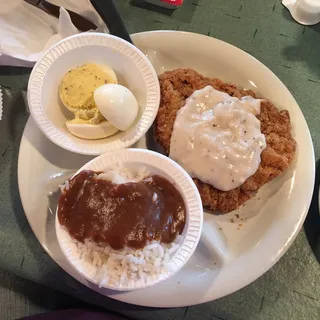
x=91, y=131
x=117, y=104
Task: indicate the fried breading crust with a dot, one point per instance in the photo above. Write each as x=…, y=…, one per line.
x=176, y=86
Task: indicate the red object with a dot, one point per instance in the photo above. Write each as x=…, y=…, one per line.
x=171, y=4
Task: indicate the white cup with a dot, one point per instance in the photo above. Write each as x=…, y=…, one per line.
x=306, y=12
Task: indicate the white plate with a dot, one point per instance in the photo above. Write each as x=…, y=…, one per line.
x=225, y=260
x=155, y=163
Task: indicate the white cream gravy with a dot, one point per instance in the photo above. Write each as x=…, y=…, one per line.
x=217, y=138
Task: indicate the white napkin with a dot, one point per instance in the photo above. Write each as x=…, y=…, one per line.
x=26, y=31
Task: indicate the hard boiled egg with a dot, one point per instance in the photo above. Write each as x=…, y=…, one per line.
x=117, y=104
x=91, y=131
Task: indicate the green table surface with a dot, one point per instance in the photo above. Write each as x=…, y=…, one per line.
x=290, y=290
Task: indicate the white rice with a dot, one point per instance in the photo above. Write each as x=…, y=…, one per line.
x=127, y=268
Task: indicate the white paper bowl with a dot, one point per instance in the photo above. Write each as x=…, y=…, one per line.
x=132, y=68
x=155, y=164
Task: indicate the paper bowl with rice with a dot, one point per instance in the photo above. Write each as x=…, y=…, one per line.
x=129, y=219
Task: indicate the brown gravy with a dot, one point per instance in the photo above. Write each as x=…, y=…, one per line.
x=120, y=215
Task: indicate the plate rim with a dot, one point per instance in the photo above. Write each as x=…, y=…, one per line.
x=303, y=214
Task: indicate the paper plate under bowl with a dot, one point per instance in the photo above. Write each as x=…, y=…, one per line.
x=226, y=258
